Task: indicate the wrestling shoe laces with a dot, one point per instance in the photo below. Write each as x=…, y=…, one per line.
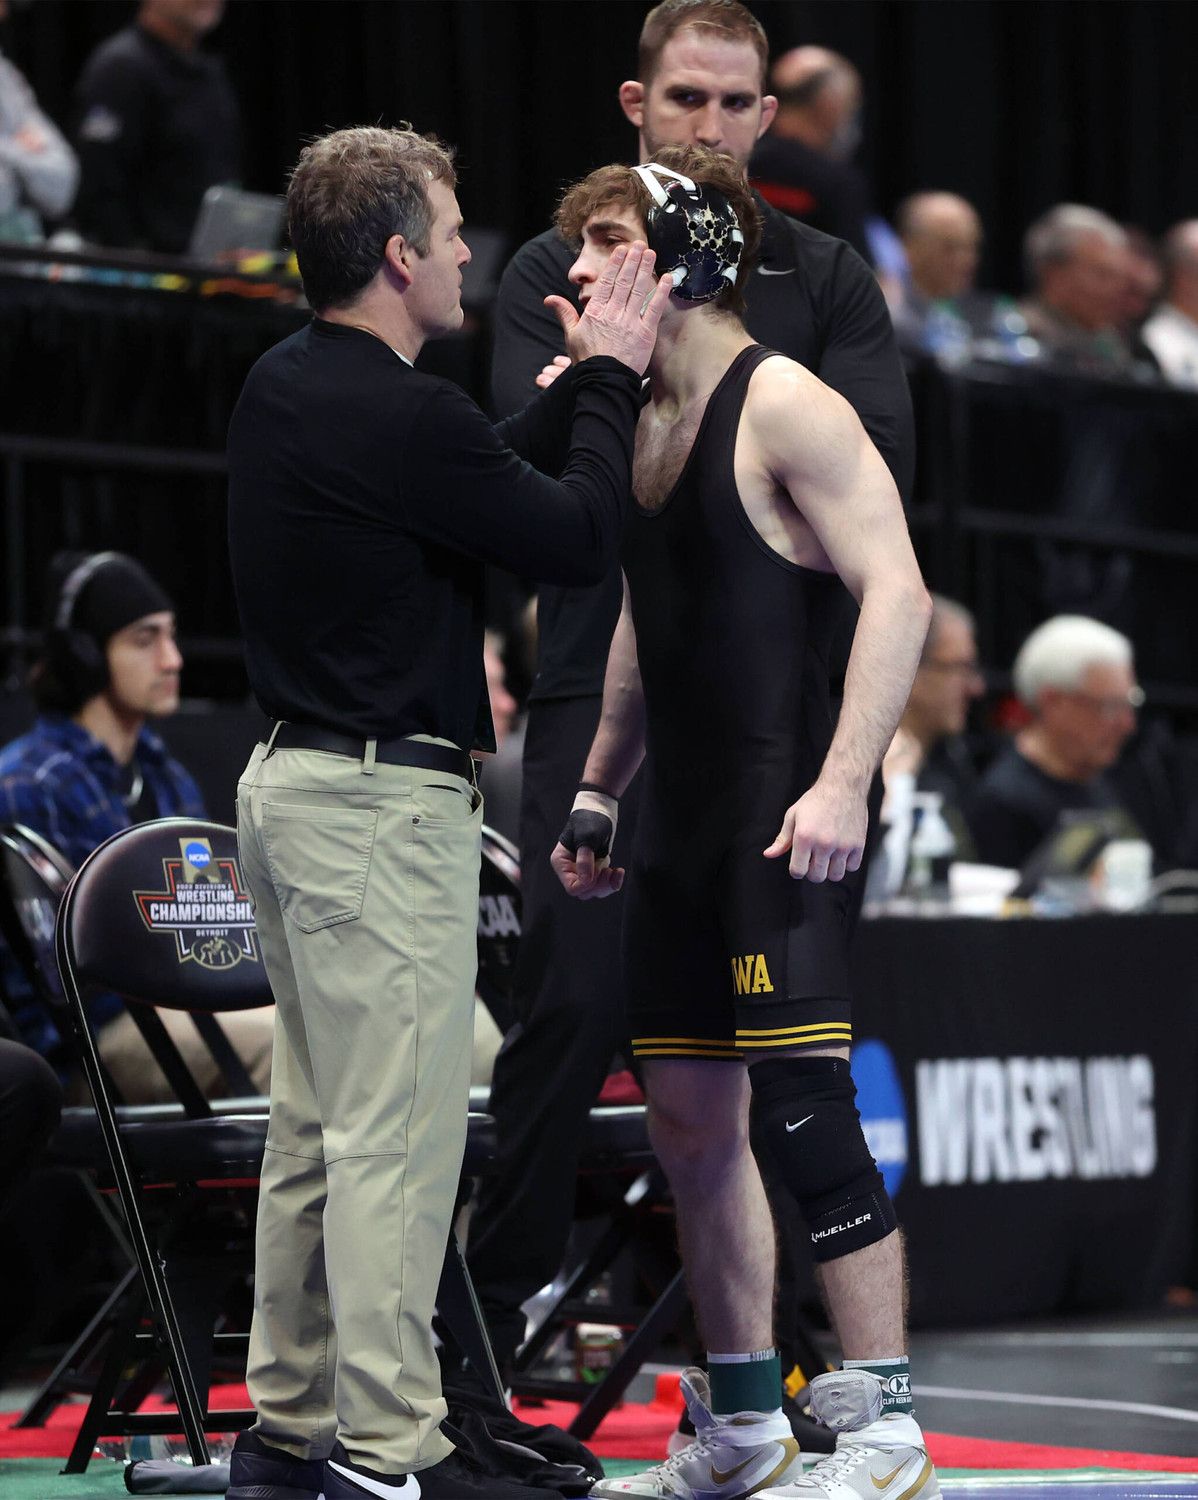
x=730, y=1457
x=877, y=1457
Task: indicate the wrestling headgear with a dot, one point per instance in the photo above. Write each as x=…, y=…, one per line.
x=694, y=233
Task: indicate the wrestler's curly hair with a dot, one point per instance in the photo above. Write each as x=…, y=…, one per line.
x=618, y=187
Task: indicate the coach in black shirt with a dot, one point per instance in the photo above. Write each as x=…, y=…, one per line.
x=701, y=79
x=365, y=499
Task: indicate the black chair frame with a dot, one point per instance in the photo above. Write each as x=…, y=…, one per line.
x=202, y=1158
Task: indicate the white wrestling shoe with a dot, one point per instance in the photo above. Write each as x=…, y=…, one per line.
x=876, y=1458
x=730, y=1457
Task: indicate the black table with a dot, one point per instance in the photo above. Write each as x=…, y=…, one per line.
x=1028, y=1087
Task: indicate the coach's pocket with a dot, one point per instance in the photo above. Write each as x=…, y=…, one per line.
x=319, y=861
x=438, y=802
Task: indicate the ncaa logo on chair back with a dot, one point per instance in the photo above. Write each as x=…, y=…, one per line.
x=750, y=976
x=204, y=906
x=497, y=917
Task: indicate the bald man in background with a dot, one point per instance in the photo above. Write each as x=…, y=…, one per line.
x=804, y=165
x=941, y=235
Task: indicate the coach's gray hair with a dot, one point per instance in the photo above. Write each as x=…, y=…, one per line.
x=1058, y=653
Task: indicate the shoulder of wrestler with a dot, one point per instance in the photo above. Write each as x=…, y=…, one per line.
x=791, y=413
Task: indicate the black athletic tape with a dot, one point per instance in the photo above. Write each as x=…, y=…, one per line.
x=587, y=830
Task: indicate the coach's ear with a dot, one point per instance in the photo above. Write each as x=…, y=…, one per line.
x=398, y=256
x=632, y=102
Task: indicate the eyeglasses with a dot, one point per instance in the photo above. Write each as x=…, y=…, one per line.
x=1112, y=707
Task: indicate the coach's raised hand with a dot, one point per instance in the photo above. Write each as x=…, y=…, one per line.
x=622, y=313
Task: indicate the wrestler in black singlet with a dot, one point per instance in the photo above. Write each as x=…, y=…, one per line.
x=725, y=953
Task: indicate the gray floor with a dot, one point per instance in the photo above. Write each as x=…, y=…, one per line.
x=1123, y=1383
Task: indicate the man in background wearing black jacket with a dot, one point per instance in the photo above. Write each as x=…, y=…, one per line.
x=702, y=69
x=365, y=499
x=157, y=125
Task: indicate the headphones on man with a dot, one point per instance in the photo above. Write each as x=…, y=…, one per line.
x=75, y=657
x=694, y=233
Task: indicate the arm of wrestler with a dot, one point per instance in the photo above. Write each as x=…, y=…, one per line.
x=837, y=481
x=616, y=752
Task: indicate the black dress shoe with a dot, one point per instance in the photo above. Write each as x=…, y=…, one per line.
x=259, y=1472
x=454, y=1478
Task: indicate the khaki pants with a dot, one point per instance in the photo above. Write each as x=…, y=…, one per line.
x=365, y=883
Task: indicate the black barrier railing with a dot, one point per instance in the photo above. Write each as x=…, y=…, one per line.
x=51, y=260
x=1036, y=494
x=18, y=453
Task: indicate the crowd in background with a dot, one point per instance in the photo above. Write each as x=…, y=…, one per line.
x=155, y=123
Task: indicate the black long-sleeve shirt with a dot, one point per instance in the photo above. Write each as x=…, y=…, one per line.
x=824, y=193
x=365, y=498
x=156, y=127
x=810, y=298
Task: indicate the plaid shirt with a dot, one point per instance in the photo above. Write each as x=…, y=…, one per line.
x=63, y=783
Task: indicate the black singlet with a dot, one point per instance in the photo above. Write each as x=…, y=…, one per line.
x=733, y=638
x=725, y=955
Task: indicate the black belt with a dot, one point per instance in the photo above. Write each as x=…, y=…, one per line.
x=402, y=752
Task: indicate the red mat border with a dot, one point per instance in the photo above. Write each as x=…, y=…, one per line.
x=641, y=1431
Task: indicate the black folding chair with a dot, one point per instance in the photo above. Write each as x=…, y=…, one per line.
x=160, y=914
x=33, y=877
x=499, y=913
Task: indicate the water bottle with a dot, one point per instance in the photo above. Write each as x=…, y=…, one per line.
x=1009, y=338
x=932, y=846
x=947, y=336
x=173, y=1446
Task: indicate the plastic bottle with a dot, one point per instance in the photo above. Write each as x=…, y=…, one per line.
x=947, y=336
x=597, y=1345
x=172, y=1445
x=1010, y=340
x=932, y=846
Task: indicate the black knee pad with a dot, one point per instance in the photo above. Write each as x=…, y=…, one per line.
x=805, y=1120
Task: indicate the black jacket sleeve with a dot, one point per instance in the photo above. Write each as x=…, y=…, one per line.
x=860, y=359
x=464, y=489
x=527, y=335
x=540, y=433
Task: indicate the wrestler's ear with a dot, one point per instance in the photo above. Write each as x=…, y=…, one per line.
x=632, y=102
x=399, y=260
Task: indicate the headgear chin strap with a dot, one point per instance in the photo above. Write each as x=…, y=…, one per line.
x=693, y=232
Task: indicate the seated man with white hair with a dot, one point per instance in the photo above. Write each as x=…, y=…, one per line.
x=1077, y=679
x=1076, y=262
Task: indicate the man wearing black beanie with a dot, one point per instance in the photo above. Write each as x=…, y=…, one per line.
x=91, y=766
